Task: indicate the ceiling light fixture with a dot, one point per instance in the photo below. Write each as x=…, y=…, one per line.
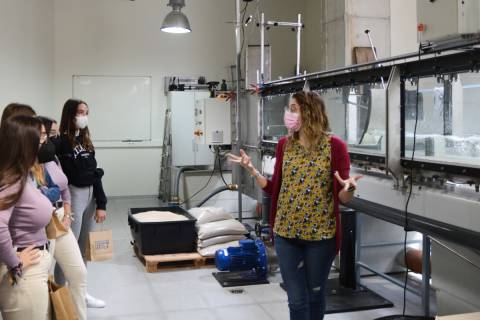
x=176, y=21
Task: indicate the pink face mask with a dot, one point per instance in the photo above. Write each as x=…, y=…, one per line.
x=292, y=121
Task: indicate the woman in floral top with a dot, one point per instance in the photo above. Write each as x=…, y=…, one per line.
x=310, y=179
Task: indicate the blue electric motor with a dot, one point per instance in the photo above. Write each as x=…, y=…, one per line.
x=249, y=256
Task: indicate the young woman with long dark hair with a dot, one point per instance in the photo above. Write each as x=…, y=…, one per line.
x=75, y=150
x=24, y=214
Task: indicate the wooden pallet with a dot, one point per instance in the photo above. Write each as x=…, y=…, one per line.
x=173, y=261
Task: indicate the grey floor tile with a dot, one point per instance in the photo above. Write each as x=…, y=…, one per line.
x=202, y=275
x=136, y=316
x=202, y=314
x=127, y=300
x=267, y=293
x=110, y=273
x=177, y=296
x=242, y=313
x=276, y=310
x=223, y=298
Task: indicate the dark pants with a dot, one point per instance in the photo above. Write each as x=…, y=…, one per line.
x=305, y=266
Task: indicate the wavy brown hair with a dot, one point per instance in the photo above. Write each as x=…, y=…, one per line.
x=16, y=109
x=68, y=127
x=315, y=124
x=19, y=142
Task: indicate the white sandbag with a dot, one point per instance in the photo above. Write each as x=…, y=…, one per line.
x=221, y=239
x=220, y=228
x=210, y=251
x=209, y=214
x=158, y=216
x=228, y=200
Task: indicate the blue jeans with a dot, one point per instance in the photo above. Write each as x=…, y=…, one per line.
x=305, y=266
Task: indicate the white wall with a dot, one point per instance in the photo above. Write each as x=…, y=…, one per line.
x=403, y=26
x=123, y=38
x=120, y=37
x=367, y=14
x=313, y=42
x=335, y=39
x=26, y=55
x=440, y=17
x=334, y=28
x=282, y=40
x=327, y=44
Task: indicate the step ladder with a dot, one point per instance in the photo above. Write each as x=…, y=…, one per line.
x=164, y=192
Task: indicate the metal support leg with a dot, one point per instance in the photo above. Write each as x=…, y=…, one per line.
x=358, y=247
x=262, y=48
x=238, y=141
x=299, y=41
x=426, y=276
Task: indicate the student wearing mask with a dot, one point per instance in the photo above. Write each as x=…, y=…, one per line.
x=64, y=249
x=76, y=153
x=24, y=214
x=311, y=178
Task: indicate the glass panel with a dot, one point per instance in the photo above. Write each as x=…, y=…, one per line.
x=273, y=109
x=357, y=115
x=336, y=110
x=447, y=129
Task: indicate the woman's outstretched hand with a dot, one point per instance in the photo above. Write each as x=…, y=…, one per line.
x=349, y=184
x=244, y=160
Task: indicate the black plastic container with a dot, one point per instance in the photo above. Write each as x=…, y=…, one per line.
x=163, y=237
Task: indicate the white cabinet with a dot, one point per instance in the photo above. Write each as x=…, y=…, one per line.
x=185, y=152
x=213, y=121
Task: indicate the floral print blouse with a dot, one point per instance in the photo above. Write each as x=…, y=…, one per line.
x=305, y=204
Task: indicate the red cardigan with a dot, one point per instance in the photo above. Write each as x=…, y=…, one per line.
x=340, y=161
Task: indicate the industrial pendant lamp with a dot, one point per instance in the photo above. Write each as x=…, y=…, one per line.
x=176, y=21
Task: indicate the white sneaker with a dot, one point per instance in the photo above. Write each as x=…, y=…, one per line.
x=94, y=302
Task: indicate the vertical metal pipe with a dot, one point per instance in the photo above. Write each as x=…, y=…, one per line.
x=238, y=169
x=371, y=44
x=299, y=36
x=262, y=48
x=358, y=247
x=374, y=52
x=426, y=276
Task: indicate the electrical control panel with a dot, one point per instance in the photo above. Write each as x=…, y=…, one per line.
x=213, y=122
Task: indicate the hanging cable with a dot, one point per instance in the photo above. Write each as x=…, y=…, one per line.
x=410, y=191
x=203, y=188
x=217, y=152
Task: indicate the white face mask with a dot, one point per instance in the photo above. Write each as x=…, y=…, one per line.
x=81, y=122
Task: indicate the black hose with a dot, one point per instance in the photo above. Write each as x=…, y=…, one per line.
x=231, y=187
x=177, y=181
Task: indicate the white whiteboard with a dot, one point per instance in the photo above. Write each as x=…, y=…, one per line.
x=120, y=107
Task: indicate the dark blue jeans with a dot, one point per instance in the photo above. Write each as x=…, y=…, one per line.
x=305, y=266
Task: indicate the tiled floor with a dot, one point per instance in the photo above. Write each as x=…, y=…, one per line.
x=131, y=293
